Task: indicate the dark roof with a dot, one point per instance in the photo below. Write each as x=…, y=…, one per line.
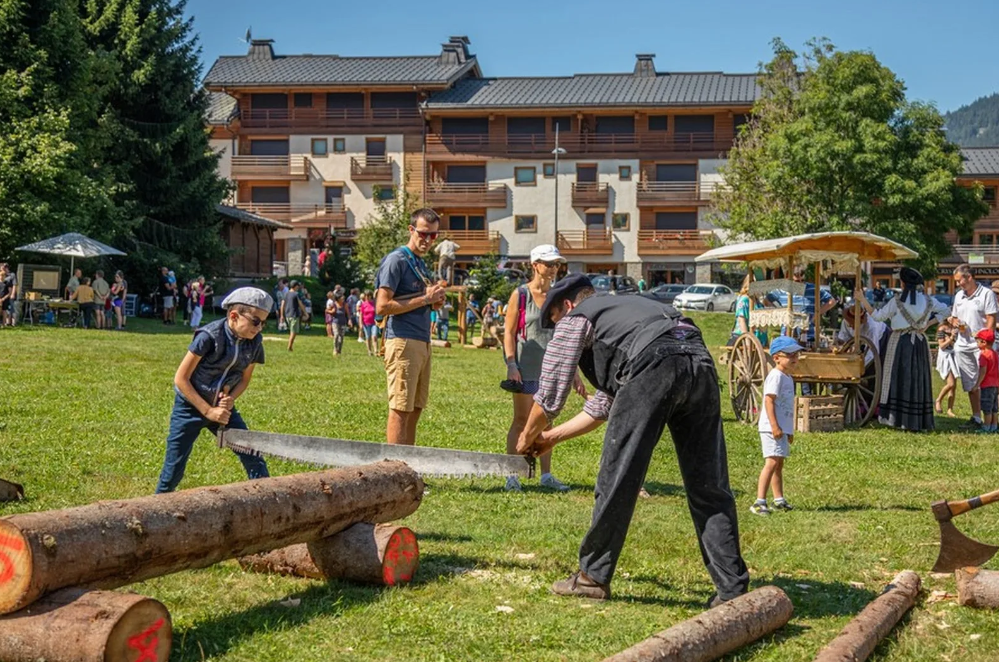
x=250, y=218
x=690, y=89
x=221, y=108
x=981, y=160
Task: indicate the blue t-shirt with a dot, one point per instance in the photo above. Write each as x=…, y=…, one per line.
x=397, y=274
x=804, y=304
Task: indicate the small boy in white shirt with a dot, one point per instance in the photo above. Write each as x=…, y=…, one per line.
x=777, y=424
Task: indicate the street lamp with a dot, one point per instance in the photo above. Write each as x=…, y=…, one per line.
x=558, y=151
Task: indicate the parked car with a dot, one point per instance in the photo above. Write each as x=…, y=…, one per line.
x=665, y=293
x=707, y=296
x=623, y=284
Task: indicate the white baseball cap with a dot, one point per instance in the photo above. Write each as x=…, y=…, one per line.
x=546, y=253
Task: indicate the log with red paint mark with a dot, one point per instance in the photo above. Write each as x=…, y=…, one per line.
x=75, y=625
x=369, y=553
x=114, y=543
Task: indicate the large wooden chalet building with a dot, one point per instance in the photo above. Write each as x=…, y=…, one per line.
x=311, y=140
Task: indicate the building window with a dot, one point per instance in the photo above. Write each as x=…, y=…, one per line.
x=624, y=172
x=526, y=224
x=303, y=99
x=339, y=145
x=527, y=176
x=549, y=169
x=658, y=122
x=621, y=222
x=319, y=147
x=564, y=124
x=989, y=195
x=384, y=193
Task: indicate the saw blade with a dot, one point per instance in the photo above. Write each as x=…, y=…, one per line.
x=424, y=460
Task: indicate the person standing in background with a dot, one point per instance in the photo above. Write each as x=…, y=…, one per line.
x=101, y=293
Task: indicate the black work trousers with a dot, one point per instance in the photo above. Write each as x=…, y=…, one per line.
x=671, y=383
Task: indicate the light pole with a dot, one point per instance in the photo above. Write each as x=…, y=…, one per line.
x=558, y=151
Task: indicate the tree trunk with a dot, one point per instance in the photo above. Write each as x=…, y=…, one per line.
x=10, y=491
x=374, y=554
x=74, y=625
x=977, y=588
x=717, y=631
x=113, y=543
x=862, y=635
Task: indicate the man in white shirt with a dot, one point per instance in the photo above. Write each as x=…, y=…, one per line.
x=876, y=331
x=975, y=308
x=445, y=267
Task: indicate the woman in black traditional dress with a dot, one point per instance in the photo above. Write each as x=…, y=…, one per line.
x=907, y=385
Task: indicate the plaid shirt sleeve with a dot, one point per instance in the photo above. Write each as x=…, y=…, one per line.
x=599, y=405
x=572, y=335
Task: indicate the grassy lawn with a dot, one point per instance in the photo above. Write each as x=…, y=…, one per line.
x=83, y=417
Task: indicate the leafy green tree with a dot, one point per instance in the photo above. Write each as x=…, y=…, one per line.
x=384, y=230
x=340, y=269
x=833, y=144
x=489, y=281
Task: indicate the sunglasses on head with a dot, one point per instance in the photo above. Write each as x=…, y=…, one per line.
x=426, y=236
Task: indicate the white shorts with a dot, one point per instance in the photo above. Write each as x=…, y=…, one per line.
x=774, y=447
x=967, y=366
x=168, y=302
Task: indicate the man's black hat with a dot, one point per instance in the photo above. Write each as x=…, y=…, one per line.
x=567, y=288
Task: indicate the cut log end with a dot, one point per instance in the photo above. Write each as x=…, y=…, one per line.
x=402, y=557
x=15, y=568
x=977, y=588
x=382, y=554
x=144, y=632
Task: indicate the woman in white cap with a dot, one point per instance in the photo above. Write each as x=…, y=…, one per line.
x=524, y=343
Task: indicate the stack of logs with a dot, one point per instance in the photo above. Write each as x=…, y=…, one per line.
x=322, y=519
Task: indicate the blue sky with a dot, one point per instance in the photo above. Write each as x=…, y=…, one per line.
x=945, y=54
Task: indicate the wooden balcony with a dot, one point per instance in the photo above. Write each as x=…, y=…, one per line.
x=473, y=242
x=656, y=194
x=442, y=194
x=300, y=214
x=331, y=118
x=590, y=194
x=287, y=168
x=371, y=169
x=672, y=242
x=586, y=242
x=576, y=145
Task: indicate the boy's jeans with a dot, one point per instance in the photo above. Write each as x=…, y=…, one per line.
x=185, y=426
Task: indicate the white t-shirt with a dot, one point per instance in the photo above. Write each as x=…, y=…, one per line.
x=329, y=304
x=781, y=385
x=972, y=311
x=871, y=329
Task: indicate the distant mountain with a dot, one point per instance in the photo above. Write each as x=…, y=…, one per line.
x=975, y=125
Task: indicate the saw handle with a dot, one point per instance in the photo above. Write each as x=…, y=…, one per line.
x=960, y=507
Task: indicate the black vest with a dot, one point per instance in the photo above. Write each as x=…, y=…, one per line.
x=623, y=326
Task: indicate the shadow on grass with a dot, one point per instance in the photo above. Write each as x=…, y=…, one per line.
x=849, y=507
x=821, y=599
x=434, y=567
x=443, y=537
x=656, y=488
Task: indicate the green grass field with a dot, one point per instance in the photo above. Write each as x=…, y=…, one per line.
x=83, y=417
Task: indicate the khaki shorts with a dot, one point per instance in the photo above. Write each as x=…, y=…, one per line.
x=294, y=324
x=407, y=366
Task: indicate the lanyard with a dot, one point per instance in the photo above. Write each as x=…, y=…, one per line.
x=418, y=266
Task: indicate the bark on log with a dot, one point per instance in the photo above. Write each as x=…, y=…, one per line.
x=717, y=631
x=10, y=491
x=861, y=636
x=977, y=588
x=436, y=342
x=483, y=343
x=113, y=543
x=374, y=554
x=74, y=625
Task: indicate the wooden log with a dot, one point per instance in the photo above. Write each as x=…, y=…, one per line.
x=10, y=491
x=718, y=631
x=374, y=554
x=437, y=342
x=977, y=588
x=861, y=636
x=488, y=341
x=113, y=543
x=74, y=625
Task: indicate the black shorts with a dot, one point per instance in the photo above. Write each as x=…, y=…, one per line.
x=990, y=399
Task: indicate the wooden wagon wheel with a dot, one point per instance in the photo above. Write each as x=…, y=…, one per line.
x=747, y=370
x=860, y=400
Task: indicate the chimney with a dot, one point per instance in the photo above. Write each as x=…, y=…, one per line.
x=261, y=49
x=644, y=65
x=455, y=51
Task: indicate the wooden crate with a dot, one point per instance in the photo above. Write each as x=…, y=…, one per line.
x=818, y=413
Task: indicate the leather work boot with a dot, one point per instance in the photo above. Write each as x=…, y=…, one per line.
x=580, y=585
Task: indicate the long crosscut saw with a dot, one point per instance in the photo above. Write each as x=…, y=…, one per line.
x=424, y=460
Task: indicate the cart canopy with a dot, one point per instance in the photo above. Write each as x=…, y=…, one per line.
x=843, y=249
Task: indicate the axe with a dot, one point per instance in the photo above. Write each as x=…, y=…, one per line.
x=956, y=549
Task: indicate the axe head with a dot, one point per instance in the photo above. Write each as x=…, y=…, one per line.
x=959, y=551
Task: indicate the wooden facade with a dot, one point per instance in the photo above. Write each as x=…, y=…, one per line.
x=250, y=239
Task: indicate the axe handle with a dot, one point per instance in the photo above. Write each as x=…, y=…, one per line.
x=960, y=507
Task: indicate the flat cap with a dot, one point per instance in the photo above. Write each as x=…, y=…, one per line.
x=566, y=288
x=249, y=296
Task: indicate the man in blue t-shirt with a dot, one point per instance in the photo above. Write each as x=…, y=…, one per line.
x=405, y=294
x=805, y=304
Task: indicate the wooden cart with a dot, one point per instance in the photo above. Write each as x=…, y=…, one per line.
x=828, y=371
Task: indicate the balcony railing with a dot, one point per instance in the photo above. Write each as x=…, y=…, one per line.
x=371, y=169
x=331, y=213
x=586, y=242
x=672, y=242
x=576, y=144
x=590, y=194
x=443, y=194
x=332, y=118
x=270, y=167
x=655, y=193
x=473, y=242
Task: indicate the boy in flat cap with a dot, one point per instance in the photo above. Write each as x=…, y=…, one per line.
x=215, y=371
